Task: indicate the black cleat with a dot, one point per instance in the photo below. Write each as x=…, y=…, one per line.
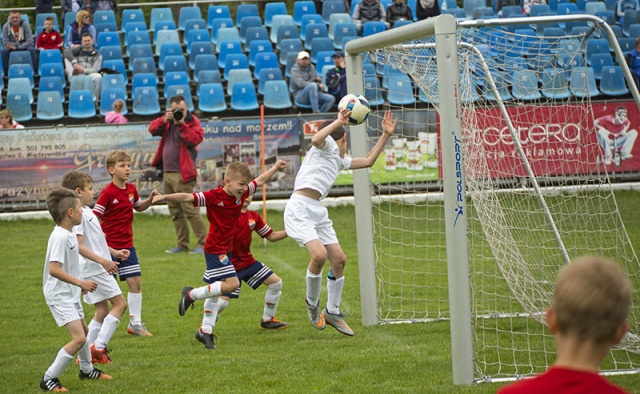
x=206, y=339
x=52, y=385
x=185, y=300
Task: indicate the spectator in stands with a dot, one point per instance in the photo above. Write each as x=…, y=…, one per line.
x=337, y=77
x=526, y=7
x=307, y=87
x=84, y=60
x=103, y=5
x=427, y=8
x=44, y=6
x=17, y=36
x=79, y=28
x=591, y=303
x=180, y=133
x=116, y=116
x=7, y=122
x=71, y=6
x=367, y=11
x=624, y=6
x=633, y=61
x=398, y=11
x=49, y=38
x=504, y=3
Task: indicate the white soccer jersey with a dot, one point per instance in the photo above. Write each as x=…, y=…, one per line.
x=320, y=167
x=93, y=239
x=63, y=248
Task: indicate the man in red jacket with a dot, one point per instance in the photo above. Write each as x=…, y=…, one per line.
x=180, y=133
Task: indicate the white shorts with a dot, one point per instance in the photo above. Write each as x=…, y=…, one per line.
x=66, y=313
x=107, y=288
x=305, y=219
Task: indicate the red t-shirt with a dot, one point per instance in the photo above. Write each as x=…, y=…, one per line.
x=115, y=210
x=222, y=212
x=51, y=40
x=563, y=381
x=608, y=122
x=247, y=223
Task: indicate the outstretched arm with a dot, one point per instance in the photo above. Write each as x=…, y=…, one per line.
x=148, y=202
x=388, y=127
x=265, y=176
x=175, y=197
x=319, y=138
x=277, y=235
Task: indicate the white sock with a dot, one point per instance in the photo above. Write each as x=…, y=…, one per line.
x=135, y=308
x=334, y=294
x=59, y=365
x=94, y=329
x=85, y=358
x=271, y=298
x=106, y=332
x=210, y=315
x=212, y=290
x=314, y=282
x=222, y=305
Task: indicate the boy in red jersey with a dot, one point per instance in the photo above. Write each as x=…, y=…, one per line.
x=223, y=209
x=252, y=271
x=589, y=315
x=115, y=209
x=49, y=38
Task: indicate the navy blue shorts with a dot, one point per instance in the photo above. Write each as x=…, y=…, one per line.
x=252, y=275
x=130, y=267
x=219, y=267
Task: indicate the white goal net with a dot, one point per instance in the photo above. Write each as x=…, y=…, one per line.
x=521, y=228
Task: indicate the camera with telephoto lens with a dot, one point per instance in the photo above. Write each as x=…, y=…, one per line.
x=177, y=114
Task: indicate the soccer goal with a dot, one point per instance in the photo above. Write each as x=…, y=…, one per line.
x=522, y=184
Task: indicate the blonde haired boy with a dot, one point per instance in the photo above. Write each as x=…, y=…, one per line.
x=589, y=315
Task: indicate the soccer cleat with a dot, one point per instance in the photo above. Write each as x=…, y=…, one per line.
x=337, y=322
x=139, y=330
x=100, y=356
x=52, y=385
x=314, y=315
x=95, y=374
x=176, y=249
x=198, y=250
x=185, y=300
x=206, y=339
x=273, y=324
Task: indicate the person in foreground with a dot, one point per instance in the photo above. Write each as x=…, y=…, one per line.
x=223, y=209
x=62, y=287
x=308, y=223
x=589, y=315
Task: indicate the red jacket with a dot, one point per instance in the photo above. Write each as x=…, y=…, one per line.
x=191, y=134
x=51, y=40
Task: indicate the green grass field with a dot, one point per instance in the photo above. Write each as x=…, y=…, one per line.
x=382, y=359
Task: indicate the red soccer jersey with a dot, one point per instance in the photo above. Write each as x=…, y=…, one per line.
x=608, y=122
x=222, y=212
x=563, y=381
x=49, y=40
x=247, y=223
x=115, y=209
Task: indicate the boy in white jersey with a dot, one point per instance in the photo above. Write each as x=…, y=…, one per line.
x=62, y=287
x=307, y=221
x=98, y=267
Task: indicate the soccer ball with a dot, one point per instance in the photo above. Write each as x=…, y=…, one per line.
x=359, y=107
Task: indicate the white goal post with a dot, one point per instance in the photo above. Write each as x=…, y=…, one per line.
x=507, y=220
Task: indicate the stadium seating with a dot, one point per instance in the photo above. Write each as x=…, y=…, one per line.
x=277, y=22
x=100, y=27
x=158, y=15
x=314, y=30
x=53, y=70
x=82, y=82
x=226, y=34
x=307, y=20
x=373, y=28
x=145, y=101
x=21, y=71
x=139, y=51
x=221, y=23
x=336, y=19
x=598, y=61
x=180, y=90
x=211, y=98
x=144, y=80
x=342, y=30
x=372, y=90
x=175, y=78
x=20, y=106
x=113, y=82
x=244, y=97
x=273, y=8
x=52, y=84
x=111, y=53
x=234, y=61
x=268, y=74
x=21, y=57
x=199, y=24
x=108, y=38
x=197, y=36
x=187, y=13
x=160, y=26
x=204, y=62
x=525, y=85
x=144, y=65
x=265, y=60
x=256, y=33
x=246, y=23
x=330, y=7
x=612, y=82
x=208, y=76
x=235, y=76
x=583, y=82
x=244, y=10
x=290, y=45
x=320, y=44
x=81, y=105
x=175, y=63
x=217, y=12
x=554, y=84
x=169, y=49
x=108, y=96
x=286, y=32
x=400, y=90
x=41, y=17
x=166, y=37
x=134, y=26
x=116, y=66
x=256, y=47
x=276, y=95
x=20, y=86
x=302, y=8
x=131, y=15
x=199, y=49
x=228, y=48
x=49, y=105
x=593, y=7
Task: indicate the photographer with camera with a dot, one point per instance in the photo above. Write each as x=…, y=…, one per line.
x=180, y=133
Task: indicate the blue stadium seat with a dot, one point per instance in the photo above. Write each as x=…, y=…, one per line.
x=197, y=35
x=41, y=17
x=373, y=27
x=336, y=19
x=144, y=80
x=146, y=101
x=400, y=90
x=388, y=72
x=286, y=32
x=131, y=15
x=228, y=48
x=21, y=57
x=567, y=8
x=223, y=23
x=108, y=96
x=273, y=8
x=277, y=22
x=596, y=45
x=134, y=26
x=627, y=44
x=116, y=65
x=265, y=60
x=244, y=97
x=82, y=82
x=180, y=90
x=21, y=71
x=51, y=84
x=583, y=82
x=256, y=47
x=20, y=106
x=268, y=74
x=630, y=18
x=139, y=51
x=187, y=13
x=113, y=82
x=468, y=6
x=598, y=61
x=144, y=65
x=314, y=30
x=247, y=22
x=302, y=8
x=226, y=34
x=169, y=49
x=161, y=26
x=108, y=38
x=49, y=56
x=237, y=75
x=111, y=52
x=256, y=33
x=593, y=7
x=234, y=61
x=634, y=30
x=330, y=7
x=166, y=37
x=175, y=78
x=100, y=27
x=69, y=18
x=276, y=95
x=342, y=30
x=525, y=85
x=208, y=76
x=158, y=15
x=612, y=82
x=291, y=60
x=53, y=70
x=199, y=49
x=288, y=46
x=320, y=44
x=372, y=90
x=204, y=62
x=607, y=16
x=310, y=19
x=211, y=98
x=49, y=105
x=244, y=10
x=81, y=105
x=20, y=86
x=217, y=12
x=324, y=58
x=554, y=84
x=175, y=63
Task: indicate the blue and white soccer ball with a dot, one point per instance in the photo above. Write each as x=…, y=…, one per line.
x=359, y=107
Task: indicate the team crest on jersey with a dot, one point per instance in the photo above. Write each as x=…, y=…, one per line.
x=224, y=259
x=131, y=198
x=221, y=204
x=239, y=201
x=252, y=224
